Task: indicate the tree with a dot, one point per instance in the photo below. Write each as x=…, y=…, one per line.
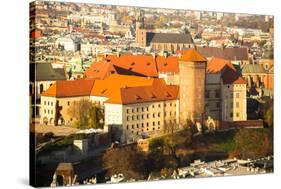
x=126, y=160
x=86, y=114
x=266, y=111
x=268, y=117
x=254, y=143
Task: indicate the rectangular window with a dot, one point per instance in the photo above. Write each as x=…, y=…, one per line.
x=142, y=109
x=158, y=114
x=142, y=125
x=147, y=115
x=237, y=104
x=231, y=114
x=127, y=127
x=128, y=118
x=147, y=124
x=207, y=94
x=133, y=126
x=237, y=95
x=237, y=114
x=128, y=111
x=159, y=105
x=137, y=125
x=158, y=122
x=218, y=94
x=153, y=115
x=68, y=103
x=153, y=123
x=146, y=108
x=218, y=104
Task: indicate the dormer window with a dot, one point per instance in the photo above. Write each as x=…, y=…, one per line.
x=103, y=91
x=133, y=63
x=168, y=95
x=153, y=96
x=138, y=97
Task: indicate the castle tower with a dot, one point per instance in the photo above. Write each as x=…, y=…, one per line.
x=140, y=20
x=140, y=31
x=192, y=74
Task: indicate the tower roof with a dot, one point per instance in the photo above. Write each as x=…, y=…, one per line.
x=192, y=55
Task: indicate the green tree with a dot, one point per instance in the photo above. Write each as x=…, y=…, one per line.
x=254, y=143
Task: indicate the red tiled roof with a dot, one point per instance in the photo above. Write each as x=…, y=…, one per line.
x=137, y=65
x=216, y=65
x=132, y=95
x=99, y=70
x=73, y=88
x=110, y=86
x=142, y=64
x=169, y=64
x=36, y=34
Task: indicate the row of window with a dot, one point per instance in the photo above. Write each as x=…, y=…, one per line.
x=48, y=103
x=138, y=132
x=236, y=105
x=142, y=125
x=143, y=116
x=217, y=94
x=218, y=104
x=237, y=114
x=142, y=109
x=237, y=95
x=48, y=111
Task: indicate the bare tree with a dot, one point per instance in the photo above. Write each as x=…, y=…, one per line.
x=87, y=114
